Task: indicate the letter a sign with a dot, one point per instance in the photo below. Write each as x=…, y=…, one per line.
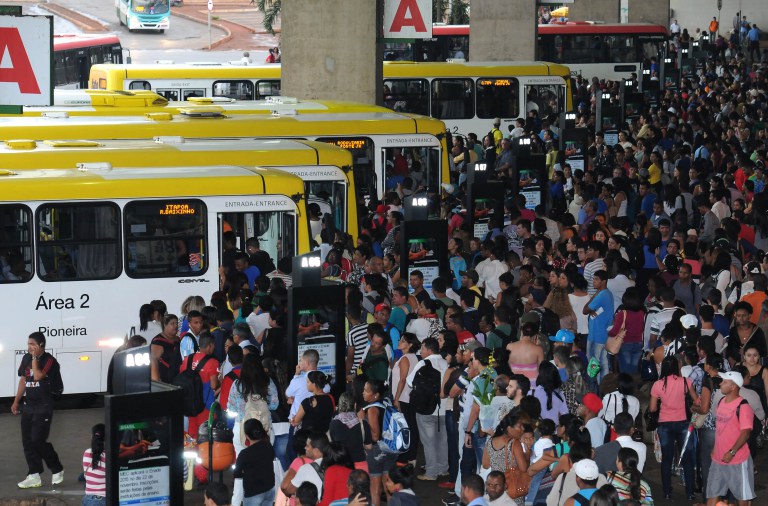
x=26, y=53
x=407, y=19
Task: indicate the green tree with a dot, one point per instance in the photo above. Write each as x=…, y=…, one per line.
x=271, y=11
x=438, y=10
x=459, y=13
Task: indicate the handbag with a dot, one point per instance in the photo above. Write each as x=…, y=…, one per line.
x=518, y=482
x=688, y=401
x=613, y=344
x=652, y=418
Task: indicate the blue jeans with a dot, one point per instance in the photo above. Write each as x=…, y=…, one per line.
x=535, y=482
x=598, y=351
x=263, y=499
x=706, y=444
x=452, y=429
x=629, y=357
x=94, y=500
x=671, y=435
x=281, y=448
x=478, y=443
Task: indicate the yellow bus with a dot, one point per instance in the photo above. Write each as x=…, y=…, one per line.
x=467, y=96
x=386, y=146
x=82, y=250
x=325, y=170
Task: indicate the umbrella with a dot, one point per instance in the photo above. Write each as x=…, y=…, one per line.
x=685, y=443
x=562, y=12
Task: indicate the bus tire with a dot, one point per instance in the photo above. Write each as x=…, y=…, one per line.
x=162, y=30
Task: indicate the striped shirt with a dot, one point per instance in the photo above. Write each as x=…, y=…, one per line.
x=95, y=479
x=357, y=337
x=589, y=272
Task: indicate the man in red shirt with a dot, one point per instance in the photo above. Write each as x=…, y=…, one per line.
x=756, y=298
x=209, y=374
x=732, y=467
x=235, y=356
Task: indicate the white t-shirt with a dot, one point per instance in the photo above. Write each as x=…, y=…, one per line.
x=577, y=303
x=596, y=427
x=539, y=447
x=258, y=323
x=307, y=473
x=618, y=286
x=613, y=404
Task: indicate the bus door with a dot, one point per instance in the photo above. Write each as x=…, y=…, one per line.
x=83, y=67
x=276, y=231
x=411, y=170
x=546, y=98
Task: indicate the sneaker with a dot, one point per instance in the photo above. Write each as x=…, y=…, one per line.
x=451, y=500
x=58, y=478
x=31, y=481
x=424, y=477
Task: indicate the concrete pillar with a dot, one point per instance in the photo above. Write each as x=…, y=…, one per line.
x=657, y=12
x=606, y=11
x=502, y=30
x=329, y=50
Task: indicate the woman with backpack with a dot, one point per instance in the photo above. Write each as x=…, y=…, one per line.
x=316, y=411
x=252, y=389
x=409, y=344
x=379, y=461
x=672, y=396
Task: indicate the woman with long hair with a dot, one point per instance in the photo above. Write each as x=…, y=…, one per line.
x=628, y=480
x=300, y=450
x=379, y=461
x=316, y=411
x=505, y=449
x=744, y=333
x=191, y=303
x=631, y=316
x=148, y=326
x=408, y=345
x=253, y=382
x=669, y=397
x=94, y=469
x=336, y=468
x=548, y=392
x=559, y=303
x=575, y=386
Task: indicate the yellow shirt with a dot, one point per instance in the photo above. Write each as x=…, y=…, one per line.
x=497, y=136
x=654, y=174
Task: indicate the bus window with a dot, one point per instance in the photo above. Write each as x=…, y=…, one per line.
x=331, y=196
x=165, y=238
x=78, y=241
x=498, y=97
x=169, y=94
x=363, y=161
x=275, y=231
x=15, y=244
x=453, y=99
x=546, y=99
x=415, y=169
x=407, y=95
x=139, y=85
x=187, y=94
x=267, y=89
x=621, y=48
x=239, y=90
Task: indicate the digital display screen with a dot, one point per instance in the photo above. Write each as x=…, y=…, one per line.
x=176, y=209
x=348, y=143
x=144, y=462
x=495, y=82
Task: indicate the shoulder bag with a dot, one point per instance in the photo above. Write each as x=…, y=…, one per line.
x=518, y=482
x=652, y=418
x=613, y=344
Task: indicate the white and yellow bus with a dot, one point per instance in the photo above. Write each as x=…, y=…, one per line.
x=378, y=141
x=467, y=96
x=325, y=170
x=82, y=250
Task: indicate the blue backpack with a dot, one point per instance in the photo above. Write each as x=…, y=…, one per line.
x=395, y=434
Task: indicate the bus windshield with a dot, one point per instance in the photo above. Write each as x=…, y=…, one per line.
x=149, y=6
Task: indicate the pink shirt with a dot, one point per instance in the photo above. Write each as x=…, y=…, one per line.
x=95, y=479
x=672, y=398
x=729, y=428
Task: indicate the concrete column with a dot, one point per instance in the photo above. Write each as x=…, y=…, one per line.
x=329, y=50
x=597, y=10
x=502, y=30
x=657, y=12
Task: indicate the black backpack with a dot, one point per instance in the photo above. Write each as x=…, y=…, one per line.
x=192, y=387
x=54, y=377
x=425, y=395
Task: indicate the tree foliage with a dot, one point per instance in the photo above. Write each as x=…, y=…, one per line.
x=459, y=13
x=271, y=11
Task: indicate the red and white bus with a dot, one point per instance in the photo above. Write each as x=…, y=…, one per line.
x=75, y=53
x=590, y=49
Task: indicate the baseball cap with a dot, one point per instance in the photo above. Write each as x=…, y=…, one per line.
x=586, y=469
x=472, y=345
x=593, y=403
x=693, y=231
x=538, y=295
x=563, y=336
x=380, y=307
x=753, y=268
x=496, y=121
x=733, y=376
x=471, y=274
x=382, y=209
x=689, y=321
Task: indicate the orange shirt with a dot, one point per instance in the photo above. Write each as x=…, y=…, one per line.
x=755, y=299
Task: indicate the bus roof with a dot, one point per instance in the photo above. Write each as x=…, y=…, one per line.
x=144, y=182
x=168, y=152
x=236, y=126
x=602, y=28
x=472, y=68
x=62, y=41
x=202, y=70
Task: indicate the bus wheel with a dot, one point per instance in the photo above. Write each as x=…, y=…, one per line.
x=162, y=30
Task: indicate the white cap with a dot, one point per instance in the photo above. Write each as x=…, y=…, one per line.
x=689, y=321
x=733, y=376
x=586, y=469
